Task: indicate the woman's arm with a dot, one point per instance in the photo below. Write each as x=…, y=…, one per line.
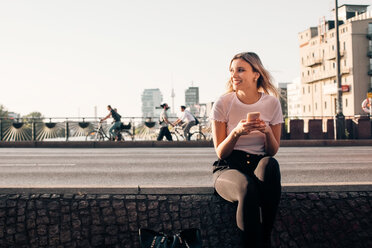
x=272, y=140
x=224, y=144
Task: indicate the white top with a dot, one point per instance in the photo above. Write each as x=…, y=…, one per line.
x=163, y=115
x=186, y=116
x=229, y=109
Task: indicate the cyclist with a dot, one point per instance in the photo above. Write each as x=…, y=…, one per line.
x=163, y=121
x=117, y=122
x=187, y=120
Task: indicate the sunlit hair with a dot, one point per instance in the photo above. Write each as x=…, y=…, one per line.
x=264, y=82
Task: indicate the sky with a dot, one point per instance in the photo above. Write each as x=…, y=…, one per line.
x=64, y=58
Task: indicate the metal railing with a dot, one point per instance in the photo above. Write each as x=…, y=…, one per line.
x=77, y=128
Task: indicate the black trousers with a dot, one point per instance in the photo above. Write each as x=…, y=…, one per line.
x=164, y=131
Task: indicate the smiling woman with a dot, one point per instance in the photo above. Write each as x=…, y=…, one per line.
x=246, y=124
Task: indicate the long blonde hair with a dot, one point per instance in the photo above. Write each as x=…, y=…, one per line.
x=264, y=82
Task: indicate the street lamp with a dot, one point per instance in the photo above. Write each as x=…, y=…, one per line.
x=340, y=118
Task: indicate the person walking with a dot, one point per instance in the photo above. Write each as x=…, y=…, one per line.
x=164, y=122
x=187, y=120
x=117, y=123
x=246, y=172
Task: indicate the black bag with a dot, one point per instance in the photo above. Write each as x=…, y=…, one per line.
x=129, y=126
x=196, y=120
x=188, y=238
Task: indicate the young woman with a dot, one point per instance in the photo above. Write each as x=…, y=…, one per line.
x=246, y=172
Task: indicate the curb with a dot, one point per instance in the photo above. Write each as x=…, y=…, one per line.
x=176, y=190
x=176, y=144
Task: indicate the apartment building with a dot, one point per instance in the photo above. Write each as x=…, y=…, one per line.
x=192, y=99
x=318, y=86
x=151, y=100
x=294, y=99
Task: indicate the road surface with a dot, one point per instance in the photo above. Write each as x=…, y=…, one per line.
x=130, y=167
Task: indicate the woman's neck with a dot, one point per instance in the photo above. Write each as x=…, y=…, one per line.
x=248, y=97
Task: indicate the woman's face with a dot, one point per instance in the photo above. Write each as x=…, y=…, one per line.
x=242, y=75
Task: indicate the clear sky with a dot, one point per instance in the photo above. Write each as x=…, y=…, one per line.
x=62, y=58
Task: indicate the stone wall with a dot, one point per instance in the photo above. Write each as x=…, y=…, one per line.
x=325, y=219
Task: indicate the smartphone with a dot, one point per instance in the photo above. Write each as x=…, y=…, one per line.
x=253, y=116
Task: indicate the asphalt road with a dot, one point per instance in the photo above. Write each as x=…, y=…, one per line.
x=123, y=167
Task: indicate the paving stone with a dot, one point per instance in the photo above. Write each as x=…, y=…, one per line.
x=325, y=219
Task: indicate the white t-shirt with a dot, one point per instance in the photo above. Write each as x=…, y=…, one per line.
x=229, y=109
x=186, y=116
x=163, y=115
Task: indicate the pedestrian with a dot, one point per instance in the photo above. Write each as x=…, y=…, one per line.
x=164, y=122
x=117, y=123
x=246, y=172
x=187, y=120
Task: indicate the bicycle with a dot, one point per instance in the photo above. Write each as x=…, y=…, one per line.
x=177, y=134
x=123, y=132
x=98, y=134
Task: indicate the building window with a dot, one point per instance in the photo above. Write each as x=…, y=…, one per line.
x=302, y=74
x=309, y=108
x=334, y=65
x=315, y=88
x=308, y=73
x=304, y=109
x=344, y=62
x=303, y=90
x=308, y=89
x=344, y=45
x=346, y=102
x=325, y=105
x=316, y=106
x=323, y=67
x=313, y=55
x=333, y=47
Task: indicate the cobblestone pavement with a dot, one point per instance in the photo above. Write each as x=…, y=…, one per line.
x=327, y=219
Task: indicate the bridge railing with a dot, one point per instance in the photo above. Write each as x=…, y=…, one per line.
x=76, y=128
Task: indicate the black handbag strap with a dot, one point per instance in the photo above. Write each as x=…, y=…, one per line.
x=182, y=241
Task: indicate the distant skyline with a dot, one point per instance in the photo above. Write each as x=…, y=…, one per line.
x=63, y=58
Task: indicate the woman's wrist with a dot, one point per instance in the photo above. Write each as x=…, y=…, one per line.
x=235, y=134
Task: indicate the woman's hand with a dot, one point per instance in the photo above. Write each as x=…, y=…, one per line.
x=263, y=127
x=244, y=127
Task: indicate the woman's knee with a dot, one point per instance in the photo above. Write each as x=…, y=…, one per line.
x=267, y=166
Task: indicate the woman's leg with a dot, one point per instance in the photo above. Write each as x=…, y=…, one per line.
x=161, y=134
x=235, y=186
x=268, y=173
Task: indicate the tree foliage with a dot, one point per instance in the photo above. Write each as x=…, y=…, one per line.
x=3, y=111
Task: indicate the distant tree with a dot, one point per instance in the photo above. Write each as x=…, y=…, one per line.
x=3, y=111
x=33, y=115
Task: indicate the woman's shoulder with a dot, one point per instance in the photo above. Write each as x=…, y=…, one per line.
x=269, y=98
x=226, y=97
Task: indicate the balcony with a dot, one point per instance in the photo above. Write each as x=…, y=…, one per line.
x=313, y=62
x=369, y=34
x=346, y=70
x=332, y=55
x=369, y=53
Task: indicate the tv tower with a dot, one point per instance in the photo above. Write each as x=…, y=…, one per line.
x=173, y=95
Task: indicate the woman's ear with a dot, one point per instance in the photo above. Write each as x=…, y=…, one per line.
x=257, y=76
